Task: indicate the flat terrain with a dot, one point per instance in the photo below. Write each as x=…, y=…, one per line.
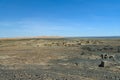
x=60, y=59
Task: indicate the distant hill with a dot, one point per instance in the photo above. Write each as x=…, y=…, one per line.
x=43, y=37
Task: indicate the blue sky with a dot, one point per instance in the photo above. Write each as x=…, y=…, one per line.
x=19, y=18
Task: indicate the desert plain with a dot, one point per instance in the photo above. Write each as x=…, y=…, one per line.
x=60, y=59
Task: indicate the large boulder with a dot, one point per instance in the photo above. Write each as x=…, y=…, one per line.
x=105, y=64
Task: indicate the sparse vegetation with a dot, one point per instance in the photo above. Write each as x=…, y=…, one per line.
x=60, y=59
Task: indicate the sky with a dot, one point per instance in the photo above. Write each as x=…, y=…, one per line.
x=24, y=18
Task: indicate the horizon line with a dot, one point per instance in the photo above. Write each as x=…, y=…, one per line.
x=27, y=37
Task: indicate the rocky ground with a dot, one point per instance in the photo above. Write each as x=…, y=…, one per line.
x=60, y=59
